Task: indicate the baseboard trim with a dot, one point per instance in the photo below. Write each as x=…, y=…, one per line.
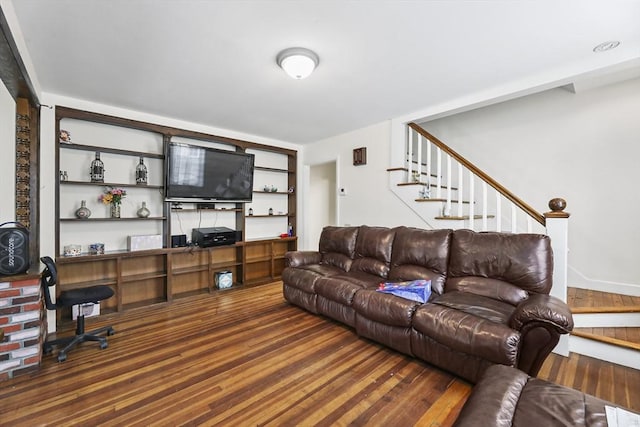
x=579, y=280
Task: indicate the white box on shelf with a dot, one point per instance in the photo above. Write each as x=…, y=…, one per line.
x=224, y=279
x=89, y=309
x=141, y=243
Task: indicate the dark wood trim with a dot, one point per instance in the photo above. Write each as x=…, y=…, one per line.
x=477, y=171
x=72, y=113
x=12, y=69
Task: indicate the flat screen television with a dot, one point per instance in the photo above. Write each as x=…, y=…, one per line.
x=196, y=173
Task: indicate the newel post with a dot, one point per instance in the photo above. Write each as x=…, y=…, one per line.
x=557, y=224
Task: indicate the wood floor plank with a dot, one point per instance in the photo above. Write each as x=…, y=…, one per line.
x=246, y=357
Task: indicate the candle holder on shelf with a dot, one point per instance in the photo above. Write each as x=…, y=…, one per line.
x=96, y=171
x=141, y=173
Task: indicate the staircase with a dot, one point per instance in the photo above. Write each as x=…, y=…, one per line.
x=607, y=326
x=448, y=191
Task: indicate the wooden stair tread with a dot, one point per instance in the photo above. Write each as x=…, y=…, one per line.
x=405, y=184
x=432, y=199
x=592, y=333
x=590, y=301
x=606, y=309
x=462, y=218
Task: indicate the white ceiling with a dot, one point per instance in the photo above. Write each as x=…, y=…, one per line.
x=213, y=62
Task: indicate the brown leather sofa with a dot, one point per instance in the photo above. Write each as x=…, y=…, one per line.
x=490, y=301
x=509, y=397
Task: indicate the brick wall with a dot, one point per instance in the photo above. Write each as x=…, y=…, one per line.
x=23, y=319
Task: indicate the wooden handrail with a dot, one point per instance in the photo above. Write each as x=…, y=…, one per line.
x=486, y=178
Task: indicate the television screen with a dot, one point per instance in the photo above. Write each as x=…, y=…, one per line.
x=198, y=173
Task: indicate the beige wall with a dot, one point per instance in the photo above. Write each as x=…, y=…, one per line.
x=583, y=147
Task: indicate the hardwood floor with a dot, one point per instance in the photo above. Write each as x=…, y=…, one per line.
x=246, y=357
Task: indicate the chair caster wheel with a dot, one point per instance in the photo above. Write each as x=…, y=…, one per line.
x=103, y=345
x=111, y=332
x=62, y=357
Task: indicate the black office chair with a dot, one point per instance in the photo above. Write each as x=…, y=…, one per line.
x=91, y=294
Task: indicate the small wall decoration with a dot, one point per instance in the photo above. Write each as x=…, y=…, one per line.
x=360, y=156
x=65, y=136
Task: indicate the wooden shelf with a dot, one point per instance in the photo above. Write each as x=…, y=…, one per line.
x=85, y=147
x=110, y=184
x=154, y=276
x=144, y=276
x=205, y=210
x=187, y=270
x=78, y=285
x=128, y=218
x=270, y=192
x=266, y=169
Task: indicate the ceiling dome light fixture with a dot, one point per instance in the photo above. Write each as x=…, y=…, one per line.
x=298, y=62
x=603, y=47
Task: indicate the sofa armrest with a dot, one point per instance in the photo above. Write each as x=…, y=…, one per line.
x=543, y=308
x=298, y=258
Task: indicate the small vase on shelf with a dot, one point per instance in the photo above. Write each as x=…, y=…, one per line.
x=83, y=211
x=115, y=210
x=143, y=212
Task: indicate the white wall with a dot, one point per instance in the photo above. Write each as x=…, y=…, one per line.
x=583, y=147
x=368, y=199
x=8, y=158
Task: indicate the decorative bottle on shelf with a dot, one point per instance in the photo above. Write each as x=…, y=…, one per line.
x=250, y=211
x=290, y=230
x=83, y=211
x=141, y=173
x=96, y=171
x=143, y=212
x=270, y=211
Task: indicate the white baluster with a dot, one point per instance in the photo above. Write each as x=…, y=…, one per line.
x=498, y=211
x=410, y=156
x=438, y=173
x=419, y=165
x=529, y=224
x=484, y=207
x=472, y=196
x=460, y=188
x=449, y=191
x=514, y=225
x=429, y=148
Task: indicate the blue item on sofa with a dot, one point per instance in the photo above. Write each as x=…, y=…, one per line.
x=415, y=290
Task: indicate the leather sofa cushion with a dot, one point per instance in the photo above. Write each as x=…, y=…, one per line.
x=373, y=250
x=476, y=305
x=552, y=404
x=508, y=397
x=420, y=254
x=523, y=260
x=304, y=278
x=492, y=288
x=384, y=308
x=337, y=246
x=467, y=333
x=343, y=287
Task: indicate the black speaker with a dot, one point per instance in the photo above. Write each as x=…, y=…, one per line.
x=14, y=249
x=179, y=241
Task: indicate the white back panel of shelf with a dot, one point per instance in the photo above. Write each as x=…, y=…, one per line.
x=113, y=233
x=102, y=135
